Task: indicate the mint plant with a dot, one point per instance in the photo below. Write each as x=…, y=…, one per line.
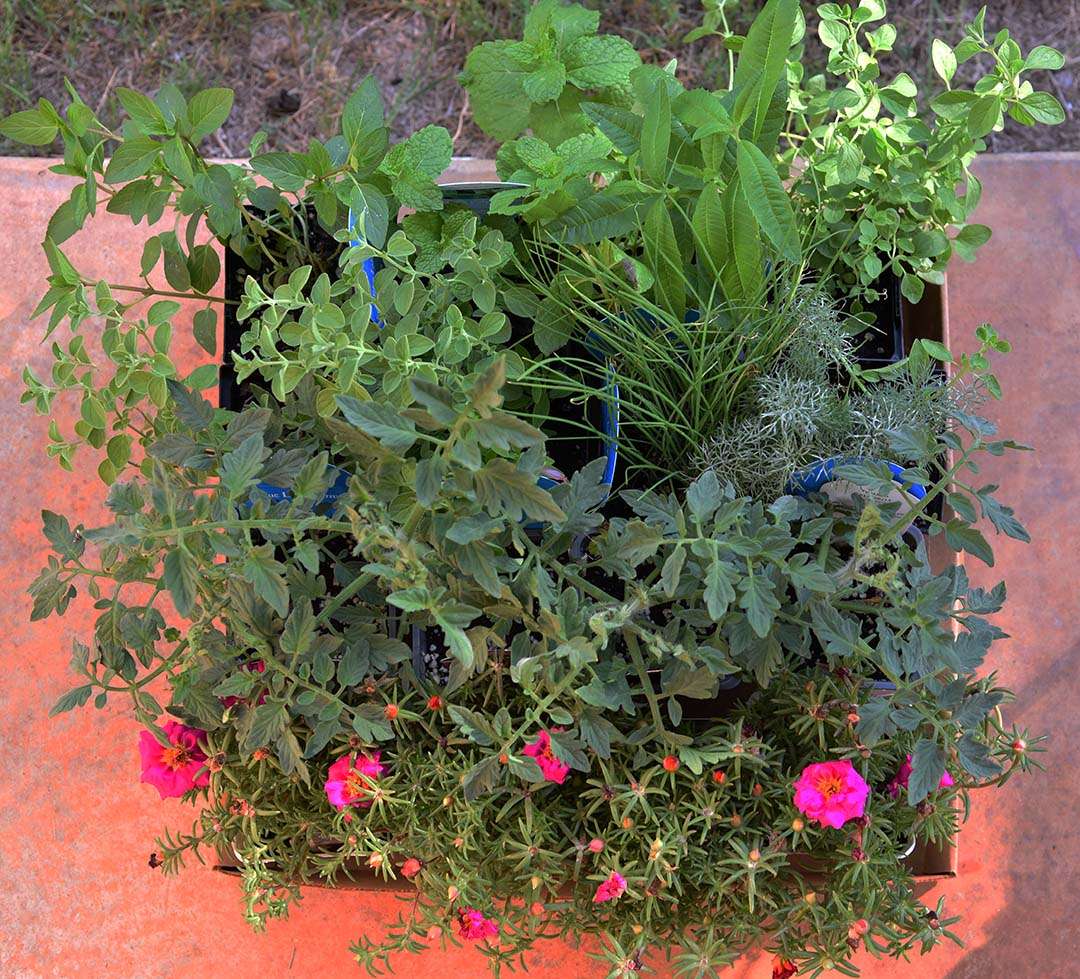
x=267, y=569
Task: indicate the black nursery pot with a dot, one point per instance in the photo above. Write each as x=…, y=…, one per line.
x=231, y=393
x=883, y=342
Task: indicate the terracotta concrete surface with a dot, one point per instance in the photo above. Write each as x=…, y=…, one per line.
x=76, y=827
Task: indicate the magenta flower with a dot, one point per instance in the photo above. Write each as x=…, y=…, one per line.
x=611, y=889
x=350, y=780
x=900, y=779
x=474, y=927
x=830, y=793
x=553, y=769
x=176, y=769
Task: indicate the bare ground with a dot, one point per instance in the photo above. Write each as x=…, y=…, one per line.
x=293, y=62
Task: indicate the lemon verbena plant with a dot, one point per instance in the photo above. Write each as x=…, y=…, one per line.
x=369, y=625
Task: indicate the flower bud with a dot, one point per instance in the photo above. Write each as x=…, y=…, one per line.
x=627, y=822
x=435, y=702
x=390, y=711
x=719, y=777
x=596, y=845
x=671, y=763
x=797, y=824
x=452, y=893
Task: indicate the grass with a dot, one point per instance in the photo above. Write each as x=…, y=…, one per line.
x=316, y=50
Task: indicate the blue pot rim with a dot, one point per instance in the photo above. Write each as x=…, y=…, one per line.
x=812, y=479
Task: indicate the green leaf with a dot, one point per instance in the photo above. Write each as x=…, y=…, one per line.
x=203, y=377
x=204, y=267
x=984, y=115
x=207, y=111
x=961, y=537
x=759, y=602
x=598, y=732
x=912, y=287
x=665, y=262
x=719, y=591
x=364, y=116
x=545, y=84
x=976, y=759
x=927, y=767
x=502, y=489
x=267, y=576
x=875, y=721
x=1044, y=108
x=1043, y=57
x=656, y=136
x=763, y=58
x=494, y=79
x=31, y=127
x=380, y=421
x=476, y=727
x=133, y=158
x=181, y=576
x=745, y=237
x=299, y=631
x=192, y=409
x=600, y=62
x=944, y=59
x=143, y=112
x=704, y=496
x=768, y=199
x=58, y=533
x=601, y=216
x=240, y=466
x=72, y=699
x=430, y=473
x=371, y=724
x=619, y=125
x=285, y=170
x=205, y=329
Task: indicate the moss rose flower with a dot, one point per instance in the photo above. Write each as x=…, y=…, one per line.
x=553, y=769
x=611, y=889
x=351, y=779
x=474, y=927
x=830, y=793
x=176, y=769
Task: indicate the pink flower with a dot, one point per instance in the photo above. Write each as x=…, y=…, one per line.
x=473, y=926
x=553, y=769
x=351, y=779
x=611, y=889
x=830, y=793
x=173, y=770
x=900, y=779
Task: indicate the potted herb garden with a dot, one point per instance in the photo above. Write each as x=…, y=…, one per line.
x=560, y=548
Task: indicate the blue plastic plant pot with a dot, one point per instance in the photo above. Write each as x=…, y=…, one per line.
x=334, y=492
x=814, y=479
